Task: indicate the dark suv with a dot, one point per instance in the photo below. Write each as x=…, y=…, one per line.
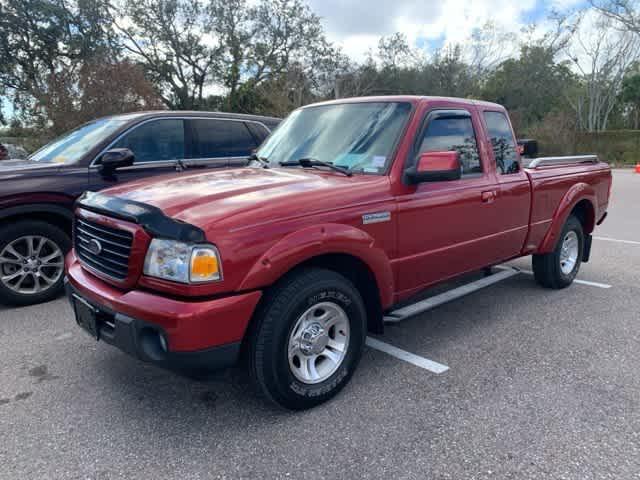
x=37, y=194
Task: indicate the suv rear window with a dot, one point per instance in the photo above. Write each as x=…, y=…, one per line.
x=211, y=138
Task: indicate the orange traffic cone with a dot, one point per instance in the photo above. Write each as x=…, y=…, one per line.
x=637, y=167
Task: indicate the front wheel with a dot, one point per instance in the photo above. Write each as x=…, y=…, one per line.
x=307, y=339
x=31, y=262
x=559, y=268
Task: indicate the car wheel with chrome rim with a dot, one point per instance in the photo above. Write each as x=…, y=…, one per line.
x=31, y=262
x=307, y=338
x=559, y=268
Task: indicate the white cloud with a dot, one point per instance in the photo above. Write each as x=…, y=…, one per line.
x=357, y=25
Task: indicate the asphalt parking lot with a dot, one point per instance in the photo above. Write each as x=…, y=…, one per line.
x=540, y=384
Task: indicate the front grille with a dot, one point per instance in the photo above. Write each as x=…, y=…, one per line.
x=112, y=256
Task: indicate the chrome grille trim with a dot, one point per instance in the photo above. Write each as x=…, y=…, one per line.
x=113, y=258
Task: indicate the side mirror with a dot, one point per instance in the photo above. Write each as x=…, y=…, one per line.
x=114, y=159
x=435, y=167
x=528, y=147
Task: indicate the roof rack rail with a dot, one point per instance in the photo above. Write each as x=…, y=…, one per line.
x=568, y=160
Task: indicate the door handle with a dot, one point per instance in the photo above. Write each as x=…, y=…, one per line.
x=489, y=196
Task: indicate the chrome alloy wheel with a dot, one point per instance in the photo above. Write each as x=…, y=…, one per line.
x=31, y=264
x=318, y=342
x=569, y=252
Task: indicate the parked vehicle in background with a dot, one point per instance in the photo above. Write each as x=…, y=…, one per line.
x=355, y=206
x=10, y=151
x=37, y=194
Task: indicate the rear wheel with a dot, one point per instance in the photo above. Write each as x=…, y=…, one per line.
x=307, y=339
x=559, y=268
x=31, y=262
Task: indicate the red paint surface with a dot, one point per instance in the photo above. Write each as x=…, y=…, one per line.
x=190, y=325
x=438, y=161
x=266, y=222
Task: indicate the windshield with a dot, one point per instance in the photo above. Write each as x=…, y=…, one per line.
x=358, y=136
x=73, y=145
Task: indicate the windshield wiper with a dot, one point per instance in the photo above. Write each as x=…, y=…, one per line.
x=311, y=162
x=263, y=161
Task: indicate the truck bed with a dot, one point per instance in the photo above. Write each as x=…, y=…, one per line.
x=555, y=183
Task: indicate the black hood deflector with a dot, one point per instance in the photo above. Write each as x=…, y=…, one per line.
x=151, y=218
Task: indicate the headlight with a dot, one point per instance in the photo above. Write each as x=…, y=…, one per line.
x=182, y=262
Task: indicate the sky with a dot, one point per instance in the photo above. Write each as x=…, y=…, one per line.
x=357, y=25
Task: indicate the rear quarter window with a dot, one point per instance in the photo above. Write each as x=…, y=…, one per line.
x=213, y=138
x=502, y=142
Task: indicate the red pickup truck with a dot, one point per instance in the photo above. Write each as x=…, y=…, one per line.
x=350, y=208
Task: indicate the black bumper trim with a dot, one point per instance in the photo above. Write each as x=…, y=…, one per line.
x=139, y=339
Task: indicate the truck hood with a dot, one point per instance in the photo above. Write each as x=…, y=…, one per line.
x=247, y=195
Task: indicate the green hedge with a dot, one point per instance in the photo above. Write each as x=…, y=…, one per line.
x=614, y=146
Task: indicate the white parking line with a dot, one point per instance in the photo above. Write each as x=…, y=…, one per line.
x=416, y=360
x=609, y=239
x=581, y=282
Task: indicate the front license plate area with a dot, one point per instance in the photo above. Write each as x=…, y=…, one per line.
x=86, y=316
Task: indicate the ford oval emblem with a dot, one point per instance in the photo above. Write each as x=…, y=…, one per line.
x=94, y=246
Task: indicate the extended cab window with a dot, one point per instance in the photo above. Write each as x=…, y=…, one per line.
x=157, y=140
x=504, y=146
x=219, y=138
x=453, y=134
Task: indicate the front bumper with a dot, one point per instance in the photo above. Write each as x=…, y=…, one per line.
x=182, y=334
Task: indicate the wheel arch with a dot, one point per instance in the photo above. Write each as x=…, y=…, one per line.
x=341, y=248
x=56, y=215
x=579, y=200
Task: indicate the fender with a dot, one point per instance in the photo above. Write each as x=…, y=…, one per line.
x=56, y=204
x=577, y=193
x=309, y=242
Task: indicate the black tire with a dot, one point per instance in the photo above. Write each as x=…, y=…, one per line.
x=269, y=337
x=11, y=232
x=547, y=269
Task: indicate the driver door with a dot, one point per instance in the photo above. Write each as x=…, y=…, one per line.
x=446, y=227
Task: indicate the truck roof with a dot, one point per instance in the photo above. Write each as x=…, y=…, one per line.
x=408, y=98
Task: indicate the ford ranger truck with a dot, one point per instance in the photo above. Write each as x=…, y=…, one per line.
x=349, y=208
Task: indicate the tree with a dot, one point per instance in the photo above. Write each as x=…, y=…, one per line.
x=172, y=40
x=275, y=42
x=530, y=86
x=453, y=76
x=394, y=52
x=630, y=96
x=623, y=12
x=488, y=47
x=602, y=56
x=43, y=45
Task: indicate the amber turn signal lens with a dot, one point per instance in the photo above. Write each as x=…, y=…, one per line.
x=205, y=265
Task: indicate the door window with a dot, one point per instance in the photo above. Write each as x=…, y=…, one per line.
x=453, y=134
x=154, y=141
x=219, y=138
x=504, y=146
